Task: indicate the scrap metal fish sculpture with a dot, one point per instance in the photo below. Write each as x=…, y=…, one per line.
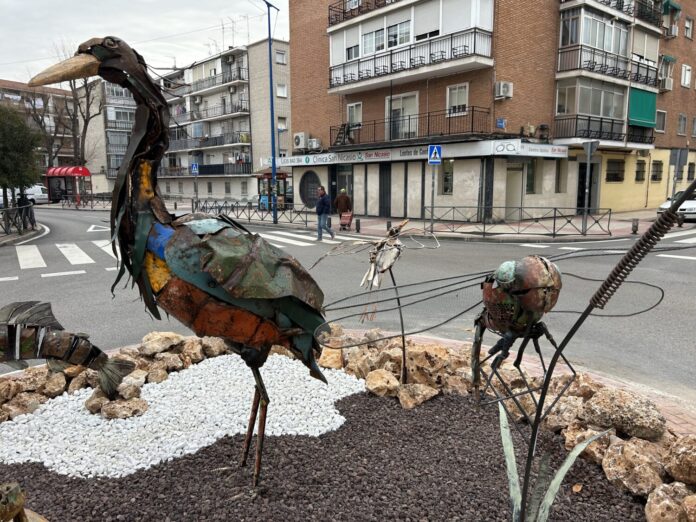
x=29, y=330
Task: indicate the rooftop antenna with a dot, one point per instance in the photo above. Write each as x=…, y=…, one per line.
x=234, y=28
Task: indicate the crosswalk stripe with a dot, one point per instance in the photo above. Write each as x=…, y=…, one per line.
x=58, y=274
x=11, y=278
x=74, y=254
x=305, y=238
x=689, y=258
x=687, y=240
x=29, y=257
x=271, y=237
x=679, y=234
x=570, y=248
x=105, y=245
x=349, y=238
x=111, y=268
x=277, y=245
x=533, y=245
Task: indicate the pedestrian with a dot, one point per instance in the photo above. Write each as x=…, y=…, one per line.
x=323, y=210
x=343, y=203
x=26, y=211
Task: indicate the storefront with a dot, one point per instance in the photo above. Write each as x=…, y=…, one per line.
x=283, y=189
x=68, y=181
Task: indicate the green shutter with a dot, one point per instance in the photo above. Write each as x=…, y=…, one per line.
x=641, y=108
x=668, y=58
x=670, y=5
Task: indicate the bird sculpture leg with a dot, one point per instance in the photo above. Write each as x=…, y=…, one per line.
x=475, y=358
x=403, y=333
x=250, y=426
x=260, y=402
x=551, y=340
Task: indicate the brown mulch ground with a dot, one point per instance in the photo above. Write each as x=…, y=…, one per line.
x=441, y=461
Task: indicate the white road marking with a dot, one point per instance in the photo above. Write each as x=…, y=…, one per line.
x=105, y=245
x=570, y=248
x=614, y=251
x=29, y=257
x=11, y=278
x=305, y=238
x=58, y=274
x=680, y=233
x=46, y=231
x=672, y=256
x=533, y=245
x=346, y=238
x=74, y=254
x=111, y=268
x=688, y=240
x=98, y=228
x=271, y=237
x=278, y=246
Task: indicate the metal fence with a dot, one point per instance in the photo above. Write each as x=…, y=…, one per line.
x=287, y=213
x=544, y=221
x=16, y=218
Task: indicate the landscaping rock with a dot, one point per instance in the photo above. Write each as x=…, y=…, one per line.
x=681, y=459
x=25, y=402
x=457, y=384
x=92, y=377
x=55, y=385
x=564, y=413
x=213, y=346
x=281, y=350
x=9, y=388
x=331, y=358
x=628, y=412
x=689, y=505
x=576, y=433
x=96, y=401
x=172, y=361
x=390, y=359
x=4, y=415
x=382, y=382
x=73, y=371
x=157, y=375
x=123, y=409
x=32, y=379
x=584, y=386
x=430, y=364
x=193, y=350
x=636, y=465
x=158, y=342
x=78, y=383
x=412, y=395
x=362, y=361
x=665, y=503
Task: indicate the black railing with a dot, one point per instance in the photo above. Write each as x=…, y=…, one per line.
x=474, y=120
x=346, y=9
x=649, y=11
x=217, y=110
x=255, y=211
x=124, y=101
x=111, y=173
x=472, y=42
x=603, y=62
x=221, y=169
x=210, y=141
x=594, y=127
x=119, y=125
x=116, y=148
x=240, y=73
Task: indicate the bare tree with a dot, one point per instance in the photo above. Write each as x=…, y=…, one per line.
x=87, y=104
x=49, y=116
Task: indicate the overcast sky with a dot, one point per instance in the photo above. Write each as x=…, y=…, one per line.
x=32, y=31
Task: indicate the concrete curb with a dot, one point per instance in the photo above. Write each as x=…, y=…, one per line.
x=11, y=239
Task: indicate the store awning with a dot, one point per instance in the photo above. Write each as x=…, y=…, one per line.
x=642, y=107
x=68, y=171
x=670, y=5
x=668, y=58
x=267, y=174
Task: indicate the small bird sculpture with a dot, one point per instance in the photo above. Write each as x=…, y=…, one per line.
x=383, y=255
x=211, y=273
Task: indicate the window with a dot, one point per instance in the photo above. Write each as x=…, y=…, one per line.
x=565, y=100
x=693, y=127
x=353, y=52
x=640, y=170
x=281, y=57
x=681, y=125
x=399, y=34
x=661, y=120
x=282, y=153
x=373, y=42
x=447, y=177
x=355, y=115
x=691, y=171
x=228, y=188
x=603, y=32
x=167, y=187
x=656, y=174
x=570, y=27
x=531, y=182
x=615, y=170
x=352, y=4
x=666, y=68
x=561, y=182
x=424, y=36
x=281, y=90
x=282, y=122
x=689, y=28
x=245, y=188
x=457, y=99
x=210, y=188
x=401, y=116
x=598, y=99
x=180, y=187
x=686, y=76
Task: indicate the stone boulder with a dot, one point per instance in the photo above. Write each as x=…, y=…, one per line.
x=331, y=358
x=131, y=384
x=172, y=361
x=665, y=503
x=157, y=375
x=382, y=383
x=25, y=402
x=158, y=342
x=92, y=378
x=192, y=351
x=636, y=465
x=55, y=385
x=430, y=364
x=564, y=413
x=457, y=384
x=9, y=388
x=626, y=411
x=213, y=346
x=78, y=383
x=4, y=416
x=412, y=395
x=689, y=505
x=584, y=386
x=32, y=379
x=681, y=459
x=96, y=401
x=576, y=433
x=73, y=371
x=123, y=409
x=361, y=361
x=390, y=359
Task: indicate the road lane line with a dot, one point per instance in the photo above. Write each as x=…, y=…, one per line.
x=570, y=248
x=58, y=274
x=11, y=278
x=680, y=233
x=674, y=256
x=29, y=257
x=271, y=237
x=46, y=231
x=305, y=238
x=278, y=246
x=688, y=240
x=533, y=245
x=105, y=245
x=74, y=254
x=111, y=268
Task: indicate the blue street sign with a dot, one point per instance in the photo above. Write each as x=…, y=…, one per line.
x=434, y=154
x=194, y=169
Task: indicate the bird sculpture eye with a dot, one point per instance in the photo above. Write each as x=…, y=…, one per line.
x=109, y=42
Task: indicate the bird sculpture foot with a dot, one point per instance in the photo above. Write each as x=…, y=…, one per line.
x=260, y=402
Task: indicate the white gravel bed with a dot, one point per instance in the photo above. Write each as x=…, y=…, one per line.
x=189, y=411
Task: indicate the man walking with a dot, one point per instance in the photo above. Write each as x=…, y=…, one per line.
x=323, y=210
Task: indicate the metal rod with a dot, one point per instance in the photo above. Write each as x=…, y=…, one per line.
x=274, y=201
x=404, y=377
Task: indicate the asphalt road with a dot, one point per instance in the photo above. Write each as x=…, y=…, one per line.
x=656, y=349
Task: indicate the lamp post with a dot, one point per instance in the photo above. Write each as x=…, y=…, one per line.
x=274, y=199
x=279, y=130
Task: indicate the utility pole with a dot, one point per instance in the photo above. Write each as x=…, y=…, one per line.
x=590, y=148
x=274, y=195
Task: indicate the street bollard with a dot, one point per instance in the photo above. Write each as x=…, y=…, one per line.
x=388, y=225
x=680, y=220
x=357, y=225
x=634, y=226
x=328, y=221
x=175, y=205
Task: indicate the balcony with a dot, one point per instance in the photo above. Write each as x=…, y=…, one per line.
x=596, y=128
x=581, y=57
x=215, y=169
x=119, y=125
x=121, y=101
x=429, y=126
x=210, y=141
x=644, y=10
x=114, y=148
x=215, y=112
x=111, y=173
x=347, y=9
x=463, y=51
x=238, y=74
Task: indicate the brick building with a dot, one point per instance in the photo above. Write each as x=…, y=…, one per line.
x=511, y=89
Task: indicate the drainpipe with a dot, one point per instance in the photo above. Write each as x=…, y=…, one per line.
x=647, y=184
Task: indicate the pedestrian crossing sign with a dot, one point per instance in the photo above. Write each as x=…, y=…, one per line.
x=434, y=154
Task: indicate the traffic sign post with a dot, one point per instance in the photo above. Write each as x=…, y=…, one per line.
x=590, y=148
x=434, y=158
x=194, y=173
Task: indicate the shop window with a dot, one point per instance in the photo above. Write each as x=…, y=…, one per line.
x=640, y=170
x=615, y=170
x=245, y=188
x=690, y=172
x=210, y=188
x=656, y=174
x=447, y=178
x=533, y=177
x=309, y=183
x=228, y=188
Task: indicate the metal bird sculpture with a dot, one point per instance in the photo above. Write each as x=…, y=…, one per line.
x=211, y=273
x=28, y=330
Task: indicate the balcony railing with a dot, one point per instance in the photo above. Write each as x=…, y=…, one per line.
x=473, y=120
x=119, y=125
x=472, y=42
x=603, y=62
x=645, y=10
x=596, y=128
x=346, y=9
x=178, y=89
x=211, y=112
x=221, y=169
x=111, y=173
x=116, y=148
x=122, y=101
x=239, y=73
x=210, y=141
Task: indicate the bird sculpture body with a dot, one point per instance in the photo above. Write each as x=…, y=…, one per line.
x=210, y=273
x=383, y=255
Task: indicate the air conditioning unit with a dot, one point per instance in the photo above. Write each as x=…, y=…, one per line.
x=231, y=58
x=672, y=30
x=666, y=84
x=314, y=144
x=233, y=89
x=299, y=140
x=197, y=100
x=503, y=89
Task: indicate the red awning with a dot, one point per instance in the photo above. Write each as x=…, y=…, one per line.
x=68, y=171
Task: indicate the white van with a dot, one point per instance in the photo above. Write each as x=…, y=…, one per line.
x=37, y=194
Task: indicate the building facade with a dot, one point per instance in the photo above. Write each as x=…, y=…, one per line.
x=511, y=90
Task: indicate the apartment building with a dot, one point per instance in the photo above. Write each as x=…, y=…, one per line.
x=216, y=106
x=511, y=89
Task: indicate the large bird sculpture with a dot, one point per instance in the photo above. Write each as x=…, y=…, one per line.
x=209, y=272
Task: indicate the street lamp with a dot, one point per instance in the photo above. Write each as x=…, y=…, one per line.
x=274, y=199
x=279, y=130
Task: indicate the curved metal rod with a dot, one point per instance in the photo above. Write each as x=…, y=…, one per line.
x=403, y=334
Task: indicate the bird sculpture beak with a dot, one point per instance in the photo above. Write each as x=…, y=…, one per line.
x=79, y=66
